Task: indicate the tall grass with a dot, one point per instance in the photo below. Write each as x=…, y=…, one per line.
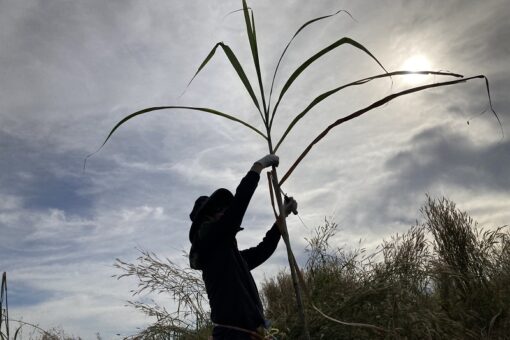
x=268, y=112
x=446, y=278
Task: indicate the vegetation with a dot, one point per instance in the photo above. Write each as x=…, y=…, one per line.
x=446, y=278
x=190, y=319
x=443, y=279
x=453, y=285
x=262, y=104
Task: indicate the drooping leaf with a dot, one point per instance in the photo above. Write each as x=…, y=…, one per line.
x=157, y=108
x=325, y=95
x=290, y=42
x=237, y=10
x=374, y=105
x=492, y=108
x=316, y=56
x=237, y=66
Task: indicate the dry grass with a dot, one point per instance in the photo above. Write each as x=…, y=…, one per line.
x=446, y=278
x=190, y=318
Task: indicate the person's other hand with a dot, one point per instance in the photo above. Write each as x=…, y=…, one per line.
x=290, y=205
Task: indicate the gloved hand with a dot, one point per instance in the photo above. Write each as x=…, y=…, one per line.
x=268, y=160
x=290, y=205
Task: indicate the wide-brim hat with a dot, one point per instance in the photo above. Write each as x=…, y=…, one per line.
x=206, y=204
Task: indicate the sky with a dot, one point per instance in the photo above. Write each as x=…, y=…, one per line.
x=70, y=70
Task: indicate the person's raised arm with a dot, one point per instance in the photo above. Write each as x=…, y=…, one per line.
x=230, y=222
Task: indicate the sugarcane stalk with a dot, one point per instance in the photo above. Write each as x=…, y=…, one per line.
x=282, y=225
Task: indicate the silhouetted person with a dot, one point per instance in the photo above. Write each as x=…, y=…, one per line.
x=236, y=309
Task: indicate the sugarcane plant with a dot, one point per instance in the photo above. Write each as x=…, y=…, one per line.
x=268, y=112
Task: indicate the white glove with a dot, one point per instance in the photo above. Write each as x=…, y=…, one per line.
x=268, y=160
x=290, y=206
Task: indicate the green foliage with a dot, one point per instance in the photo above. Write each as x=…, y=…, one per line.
x=445, y=278
x=263, y=106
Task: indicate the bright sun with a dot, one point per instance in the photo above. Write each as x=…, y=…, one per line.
x=416, y=63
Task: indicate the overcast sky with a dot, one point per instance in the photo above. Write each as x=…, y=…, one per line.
x=69, y=70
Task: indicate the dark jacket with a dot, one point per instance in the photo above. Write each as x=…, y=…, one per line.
x=232, y=292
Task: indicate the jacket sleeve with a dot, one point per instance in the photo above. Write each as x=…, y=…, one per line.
x=230, y=223
x=255, y=256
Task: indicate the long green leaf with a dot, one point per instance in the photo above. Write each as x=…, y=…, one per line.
x=316, y=56
x=157, y=108
x=377, y=104
x=290, y=42
x=237, y=66
x=325, y=95
x=252, y=38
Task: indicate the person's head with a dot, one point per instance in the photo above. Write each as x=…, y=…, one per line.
x=209, y=209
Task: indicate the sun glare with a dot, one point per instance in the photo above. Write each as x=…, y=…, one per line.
x=416, y=63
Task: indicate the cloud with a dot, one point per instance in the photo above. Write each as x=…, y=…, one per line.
x=53, y=298
x=441, y=162
x=438, y=155
x=71, y=70
x=44, y=178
